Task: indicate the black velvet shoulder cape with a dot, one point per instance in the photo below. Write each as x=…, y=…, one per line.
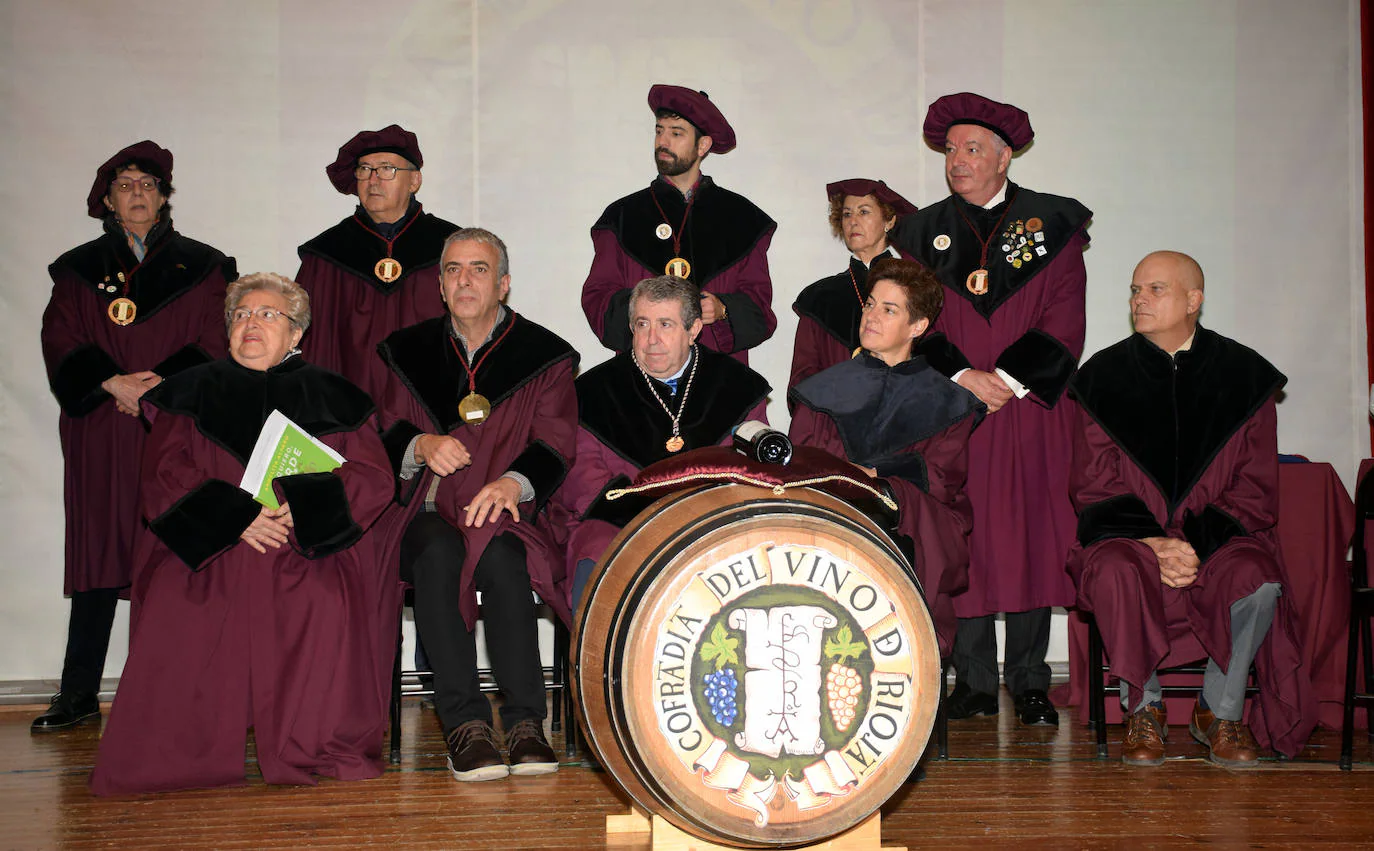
x=881, y=411
x=619, y=408
x=834, y=305
x=426, y=360
x=174, y=265
x=916, y=234
x=229, y=402
x=721, y=230
x=1173, y=415
x=355, y=248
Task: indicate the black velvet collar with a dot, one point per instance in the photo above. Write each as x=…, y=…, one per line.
x=426, y=360
x=832, y=303
x=616, y=405
x=722, y=229
x=1060, y=218
x=880, y=410
x=1173, y=415
x=356, y=247
x=173, y=265
x=230, y=402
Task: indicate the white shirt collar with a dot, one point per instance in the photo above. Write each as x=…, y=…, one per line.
x=1187, y=344
x=998, y=198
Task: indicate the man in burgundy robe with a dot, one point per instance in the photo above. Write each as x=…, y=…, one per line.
x=828, y=311
x=480, y=421
x=888, y=412
x=376, y=271
x=137, y=305
x=1011, y=261
x=291, y=642
x=1175, y=478
x=685, y=225
x=633, y=405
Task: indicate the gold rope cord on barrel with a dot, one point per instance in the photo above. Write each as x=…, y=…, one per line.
x=777, y=489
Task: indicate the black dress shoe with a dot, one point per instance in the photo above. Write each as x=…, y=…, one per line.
x=1034, y=709
x=67, y=710
x=964, y=702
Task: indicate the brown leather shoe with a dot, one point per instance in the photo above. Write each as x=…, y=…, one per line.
x=1229, y=743
x=1146, y=731
x=474, y=753
x=529, y=750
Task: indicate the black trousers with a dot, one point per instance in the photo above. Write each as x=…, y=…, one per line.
x=1027, y=642
x=88, y=639
x=432, y=553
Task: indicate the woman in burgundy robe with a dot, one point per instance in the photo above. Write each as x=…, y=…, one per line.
x=247, y=616
x=901, y=421
x=862, y=211
x=128, y=309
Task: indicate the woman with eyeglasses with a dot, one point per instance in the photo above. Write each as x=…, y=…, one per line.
x=249, y=614
x=138, y=304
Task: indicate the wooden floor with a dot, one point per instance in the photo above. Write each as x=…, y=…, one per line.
x=1004, y=786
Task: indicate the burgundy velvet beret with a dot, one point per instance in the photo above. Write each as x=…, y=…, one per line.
x=152, y=159
x=697, y=108
x=861, y=186
x=1007, y=121
x=393, y=139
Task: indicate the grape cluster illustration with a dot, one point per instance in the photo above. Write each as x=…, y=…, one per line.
x=842, y=683
x=721, y=683
x=720, y=695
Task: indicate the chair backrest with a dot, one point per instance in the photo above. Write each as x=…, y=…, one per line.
x=1364, y=512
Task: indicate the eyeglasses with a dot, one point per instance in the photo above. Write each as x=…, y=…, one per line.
x=264, y=314
x=385, y=172
x=124, y=185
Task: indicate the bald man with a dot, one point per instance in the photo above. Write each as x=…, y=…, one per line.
x=1175, y=481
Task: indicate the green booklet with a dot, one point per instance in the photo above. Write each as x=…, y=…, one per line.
x=284, y=449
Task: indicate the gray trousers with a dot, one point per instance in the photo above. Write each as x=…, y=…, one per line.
x=1224, y=691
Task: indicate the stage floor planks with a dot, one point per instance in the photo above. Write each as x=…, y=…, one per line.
x=1004, y=786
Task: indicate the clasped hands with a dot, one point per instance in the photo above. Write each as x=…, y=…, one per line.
x=989, y=387
x=447, y=455
x=269, y=529
x=1178, y=562
x=128, y=389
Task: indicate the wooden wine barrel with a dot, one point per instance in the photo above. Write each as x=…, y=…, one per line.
x=760, y=670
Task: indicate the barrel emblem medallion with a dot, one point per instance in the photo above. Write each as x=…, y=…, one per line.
x=783, y=679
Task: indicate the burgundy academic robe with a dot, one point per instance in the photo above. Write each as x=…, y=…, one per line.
x=937, y=519
x=607, y=457
x=1228, y=515
x=179, y=292
x=726, y=241
x=351, y=309
x=532, y=430
x=1030, y=323
x=224, y=638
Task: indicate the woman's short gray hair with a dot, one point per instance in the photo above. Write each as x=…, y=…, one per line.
x=297, y=299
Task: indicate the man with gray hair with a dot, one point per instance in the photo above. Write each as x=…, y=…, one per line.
x=480, y=421
x=376, y=271
x=666, y=395
x=1011, y=333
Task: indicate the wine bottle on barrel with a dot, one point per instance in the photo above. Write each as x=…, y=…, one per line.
x=763, y=443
